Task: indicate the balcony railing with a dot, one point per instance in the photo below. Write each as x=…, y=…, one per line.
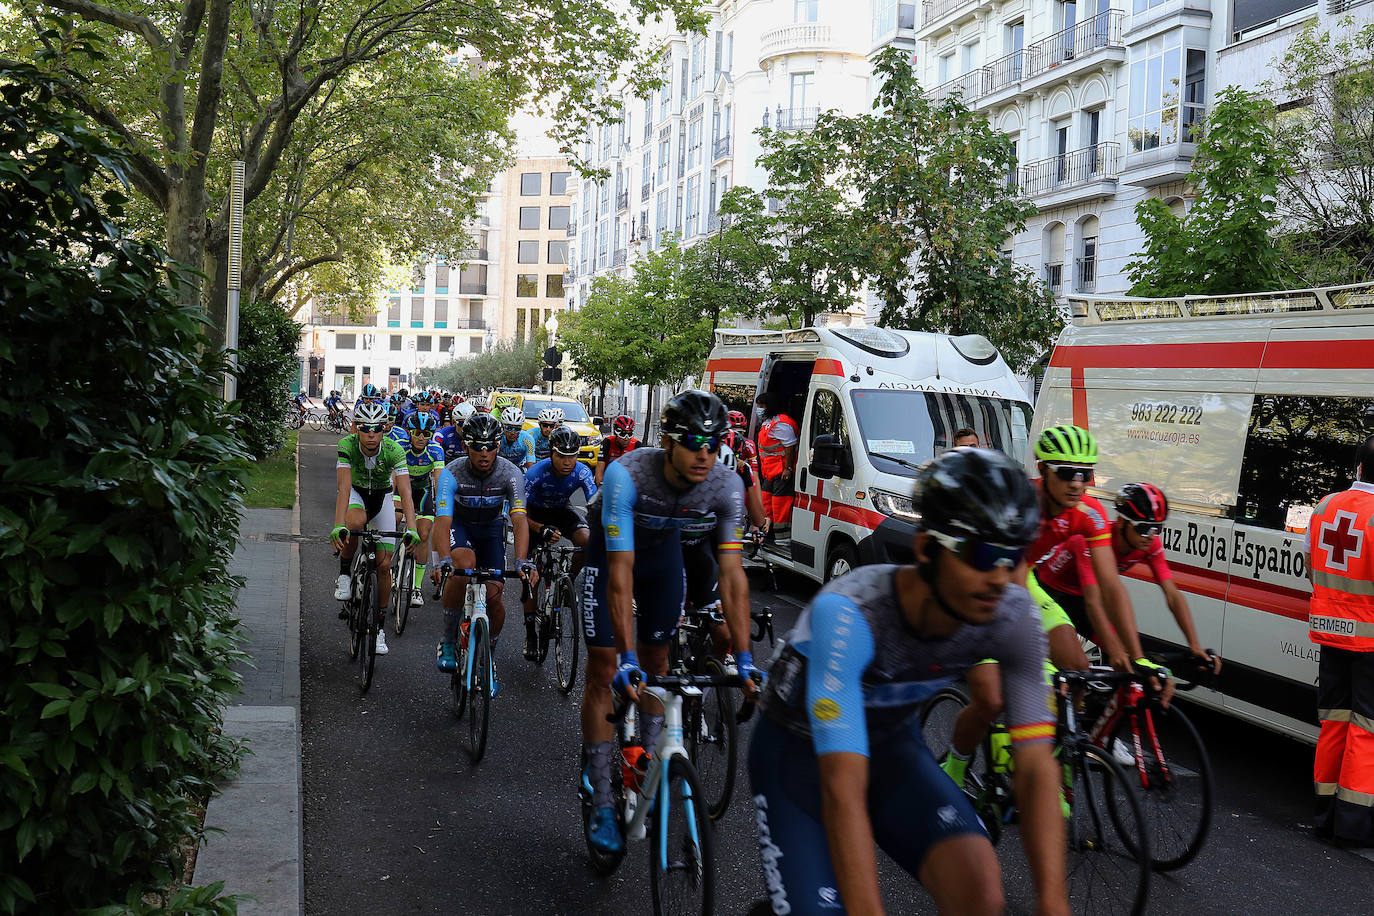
x=568, y=277
x=968, y=87
x=1079, y=167
x=622, y=201
x=1004, y=71
x=713, y=222
x=343, y=321
x=1087, y=275
x=471, y=324
x=1101, y=31
x=721, y=147
x=618, y=259
x=791, y=119
x=644, y=190
x=473, y=254
x=472, y=289
x=572, y=230
x=806, y=36
x=1054, y=277
x=932, y=10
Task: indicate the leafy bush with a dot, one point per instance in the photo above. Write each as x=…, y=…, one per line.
x=509, y=364
x=119, y=504
x=268, y=339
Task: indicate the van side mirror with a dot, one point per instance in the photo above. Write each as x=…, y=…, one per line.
x=830, y=458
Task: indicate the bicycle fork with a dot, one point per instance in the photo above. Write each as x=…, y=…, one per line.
x=479, y=612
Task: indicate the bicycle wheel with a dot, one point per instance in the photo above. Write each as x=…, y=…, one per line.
x=405, y=587
x=1108, y=860
x=294, y=420
x=458, y=682
x=564, y=635
x=315, y=421
x=938, y=716
x=371, y=616
x=480, y=690
x=543, y=624
x=1174, y=774
x=354, y=614
x=712, y=738
x=681, y=868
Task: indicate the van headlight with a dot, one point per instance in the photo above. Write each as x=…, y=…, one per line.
x=894, y=504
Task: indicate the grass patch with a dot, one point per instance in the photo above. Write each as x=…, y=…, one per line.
x=272, y=481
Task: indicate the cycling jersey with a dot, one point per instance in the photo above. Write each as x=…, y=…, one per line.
x=398, y=435
x=451, y=441
x=1087, y=519
x=853, y=675
x=543, y=445
x=520, y=452
x=421, y=463
x=545, y=489
x=375, y=472
x=463, y=496
x=1068, y=567
x=637, y=508
x=611, y=449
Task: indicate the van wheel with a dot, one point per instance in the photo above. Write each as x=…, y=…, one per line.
x=841, y=560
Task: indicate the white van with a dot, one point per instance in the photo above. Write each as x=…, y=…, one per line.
x=1245, y=410
x=872, y=405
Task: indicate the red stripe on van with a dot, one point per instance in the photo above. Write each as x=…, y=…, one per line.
x=1242, y=355
x=854, y=515
x=1080, y=398
x=735, y=364
x=1209, y=583
x=829, y=367
x=1319, y=354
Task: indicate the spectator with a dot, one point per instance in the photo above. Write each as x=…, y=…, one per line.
x=967, y=436
x=1341, y=620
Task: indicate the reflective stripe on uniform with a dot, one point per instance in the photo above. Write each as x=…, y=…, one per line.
x=1340, y=626
x=1342, y=583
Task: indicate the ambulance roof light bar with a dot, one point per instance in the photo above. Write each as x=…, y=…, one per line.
x=1096, y=309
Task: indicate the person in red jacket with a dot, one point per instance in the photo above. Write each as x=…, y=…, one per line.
x=613, y=446
x=778, y=438
x=1341, y=621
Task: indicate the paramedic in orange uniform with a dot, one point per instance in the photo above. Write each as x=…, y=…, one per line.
x=1340, y=544
x=777, y=459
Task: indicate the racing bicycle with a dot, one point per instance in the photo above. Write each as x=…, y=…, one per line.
x=402, y=583
x=362, y=608
x=473, y=682
x=556, y=614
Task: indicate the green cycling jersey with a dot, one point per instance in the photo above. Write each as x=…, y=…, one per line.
x=371, y=472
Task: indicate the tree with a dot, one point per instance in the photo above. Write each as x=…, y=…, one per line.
x=731, y=268
x=1224, y=243
x=1326, y=200
x=267, y=364
x=934, y=208
x=509, y=364
x=597, y=356
x=162, y=83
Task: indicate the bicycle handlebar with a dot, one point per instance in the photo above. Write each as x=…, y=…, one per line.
x=1187, y=667
x=674, y=683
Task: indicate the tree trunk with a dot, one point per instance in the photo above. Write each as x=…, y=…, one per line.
x=217, y=293
x=649, y=414
x=185, y=226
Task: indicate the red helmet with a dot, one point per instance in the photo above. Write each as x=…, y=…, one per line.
x=738, y=420
x=1142, y=502
x=735, y=440
x=623, y=426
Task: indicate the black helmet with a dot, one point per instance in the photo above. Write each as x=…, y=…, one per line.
x=370, y=391
x=977, y=493
x=565, y=441
x=482, y=429
x=694, y=413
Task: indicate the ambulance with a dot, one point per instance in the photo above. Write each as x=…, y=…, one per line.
x=1245, y=410
x=872, y=406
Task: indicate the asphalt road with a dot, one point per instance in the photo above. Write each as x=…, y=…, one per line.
x=397, y=820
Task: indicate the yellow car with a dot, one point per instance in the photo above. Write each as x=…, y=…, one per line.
x=574, y=416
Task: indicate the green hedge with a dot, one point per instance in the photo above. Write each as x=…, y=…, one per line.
x=268, y=341
x=119, y=508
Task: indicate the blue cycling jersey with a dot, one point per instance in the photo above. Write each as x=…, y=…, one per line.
x=637, y=507
x=400, y=435
x=465, y=497
x=421, y=463
x=543, y=445
x=544, y=489
x=451, y=441
x=520, y=452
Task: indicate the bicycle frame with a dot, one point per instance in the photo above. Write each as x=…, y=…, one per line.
x=1124, y=697
x=656, y=779
x=474, y=608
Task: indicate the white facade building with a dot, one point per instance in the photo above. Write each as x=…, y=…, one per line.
x=775, y=63
x=1101, y=98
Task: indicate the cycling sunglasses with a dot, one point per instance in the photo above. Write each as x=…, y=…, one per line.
x=1147, y=529
x=981, y=555
x=512, y=429
x=371, y=427
x=482, y=446
x=1071, y=472
x=695, y=442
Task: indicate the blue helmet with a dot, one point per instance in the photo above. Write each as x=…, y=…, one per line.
x=422, y=421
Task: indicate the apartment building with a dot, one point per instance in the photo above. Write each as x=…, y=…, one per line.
x=761, y=63
x=533, y=256
x=1102, y=99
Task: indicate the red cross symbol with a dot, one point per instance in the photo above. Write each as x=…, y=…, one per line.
x=819, y=506
x=1341, y=539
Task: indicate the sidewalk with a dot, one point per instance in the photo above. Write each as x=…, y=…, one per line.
x=259, y=851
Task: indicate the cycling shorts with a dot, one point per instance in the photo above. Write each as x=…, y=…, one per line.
x=699, y=560
x=486, y=539
x=567, y=519
x=380, y=512
x=660, y=585
x=424, y=501
x=1073, y=608
x=912, y=805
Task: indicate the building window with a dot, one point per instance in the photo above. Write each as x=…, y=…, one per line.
x=417, y=312
x=343, y=370
x=801, y=88
x=693, y=205
x=1250, y=14
x=475, y=314
x=472, y=280
x=520, y=324
x=698, y=64
x=424, y=344
x=474, y=344
x=558, y=217
x=553, y=286
x=345, y=341
x=528, y=252
x=526, y=285
x=605, y=198
x=1054, y=277
x=441, y=313
x=446, y=345
x=529, y=217
x=694, y=143
x=441, y=278
x=665, y=147
x=395, y=342
x=804, y=10
x=558, y=252
x=558, y=183
x=393, y=313
x=1194, y=93
x=417, y=283
x=1157, y=75
x=1087, y=266
x=665, y=95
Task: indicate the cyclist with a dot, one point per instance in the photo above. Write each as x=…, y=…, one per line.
x=1066, y=573
x=837, y=761
x=753, y=500
x=549, y=486
x=369, y=466
x=472, y=492
x=299, y=401
x=368, y=394
x=634, y=569
x=334, y=404
x=613, y=446
x=450, y=438
x=397, y=430
x=550, y=418
x=424, y=460
x=517, y=443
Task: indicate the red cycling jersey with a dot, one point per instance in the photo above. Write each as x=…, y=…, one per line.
x=1087, y=519
x=1068, y=567
x=611, y=449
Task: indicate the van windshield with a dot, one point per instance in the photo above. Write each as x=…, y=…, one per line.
x=916, y=426
x=572, y=411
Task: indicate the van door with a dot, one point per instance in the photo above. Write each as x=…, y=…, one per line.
x=821, y=529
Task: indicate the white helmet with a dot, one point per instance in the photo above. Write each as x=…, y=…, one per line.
x=551, y=415
x=463, y=411
x=370, y=413
x=512, y=416
x=727, y=457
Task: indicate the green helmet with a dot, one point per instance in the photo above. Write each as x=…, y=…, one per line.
x=1067, y=444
